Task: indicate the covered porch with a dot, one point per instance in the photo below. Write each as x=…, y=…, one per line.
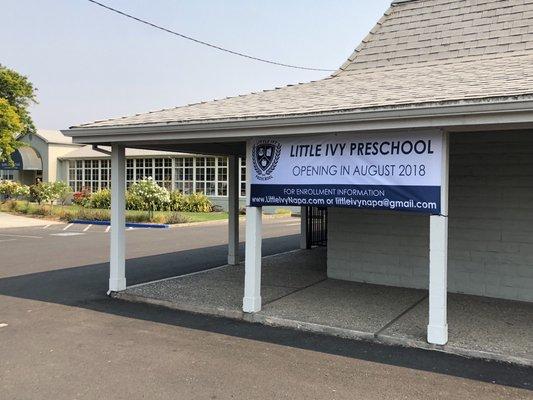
x=296, y=293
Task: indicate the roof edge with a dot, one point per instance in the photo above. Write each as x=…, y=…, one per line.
x=501, y=113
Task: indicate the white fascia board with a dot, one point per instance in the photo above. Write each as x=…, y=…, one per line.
x=450, y=116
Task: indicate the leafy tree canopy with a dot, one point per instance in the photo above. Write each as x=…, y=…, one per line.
x=17, y=93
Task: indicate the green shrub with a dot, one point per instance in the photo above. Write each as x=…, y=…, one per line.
x=100, y=199
x=22, y=192
x=150, y=195
x=8, y=189
x=42, y=193
x=177, y=201
x=61, y=192
x=198, y=202
x=133, y=202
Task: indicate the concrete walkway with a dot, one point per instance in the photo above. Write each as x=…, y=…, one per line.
x=296, y=293
x=16, y=221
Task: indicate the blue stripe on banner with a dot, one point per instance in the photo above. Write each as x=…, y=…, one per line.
x=421, y=199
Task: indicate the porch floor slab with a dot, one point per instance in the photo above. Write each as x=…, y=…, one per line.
x=296, y=293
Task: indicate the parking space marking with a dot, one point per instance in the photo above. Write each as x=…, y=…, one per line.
x=3, y=325
x=67, y=234
x=87, y=228
x=21, y=236
x=108, y=228
x=46, y=226
x=68, y=226
x=7, y=240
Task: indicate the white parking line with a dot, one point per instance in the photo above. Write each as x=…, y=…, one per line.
x=7, y=240
x=108, y=228
x=67, y=234
x=21, y=236
x=68, y=226
x=46, y=226
x=3, y=325
x=87, y=227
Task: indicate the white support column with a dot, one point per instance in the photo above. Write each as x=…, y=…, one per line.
x=117, y=275
x=233, y=210
x=437, y=331
x=252, y=263
x=303, y=227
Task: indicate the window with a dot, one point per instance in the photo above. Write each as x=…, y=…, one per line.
x=129, y=172
x=90, y=174
x=222, y=176
x=163, y=172
x=184, y=175
x=7, y=175
x=105, y=173
x=205, y=175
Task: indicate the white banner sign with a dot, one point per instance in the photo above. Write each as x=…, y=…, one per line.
x=378, y=171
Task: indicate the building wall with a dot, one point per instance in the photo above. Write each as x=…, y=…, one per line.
x=56, y=169
x=490, y=226
x=28, y=177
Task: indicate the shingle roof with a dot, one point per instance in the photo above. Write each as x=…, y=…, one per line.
x=87, y=151
x=421, y=52
x=53, y=136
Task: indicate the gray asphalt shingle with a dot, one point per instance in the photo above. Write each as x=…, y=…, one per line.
x=421, y=52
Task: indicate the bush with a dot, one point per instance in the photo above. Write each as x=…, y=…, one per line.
x=42, y=193
x=8, y=189
x=82, y=198
x=150, y=196
x=22, y=192
x=61, y=192
x=88, y=214
x=198, y=202
x=176, y=218
x=133, y=202
x=100, y=199
x=177, y=201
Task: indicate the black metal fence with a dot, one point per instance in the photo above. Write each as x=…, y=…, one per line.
x=317, y=226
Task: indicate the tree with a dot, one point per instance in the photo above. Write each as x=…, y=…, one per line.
x=17, y=93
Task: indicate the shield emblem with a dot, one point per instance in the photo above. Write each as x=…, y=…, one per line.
x=265, y=155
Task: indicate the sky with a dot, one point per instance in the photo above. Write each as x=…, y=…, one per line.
x=90, y=64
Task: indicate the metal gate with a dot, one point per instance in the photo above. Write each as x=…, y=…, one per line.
x=317, y=226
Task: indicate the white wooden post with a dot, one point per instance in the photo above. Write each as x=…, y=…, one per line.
x=233, y=210
x=437, y=331
x=303, y=227
x=252, y=262
x=117, y=275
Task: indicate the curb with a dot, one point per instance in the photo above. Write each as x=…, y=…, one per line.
x=128, y=224
x=324, y=329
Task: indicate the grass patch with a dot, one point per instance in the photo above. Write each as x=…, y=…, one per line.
x=71, y=212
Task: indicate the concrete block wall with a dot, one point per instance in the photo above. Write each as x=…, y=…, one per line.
x=490, y=226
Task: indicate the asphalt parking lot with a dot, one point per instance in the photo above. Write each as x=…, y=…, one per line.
x=61, y=337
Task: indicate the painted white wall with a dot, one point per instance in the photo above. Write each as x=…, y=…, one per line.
x=490, y=226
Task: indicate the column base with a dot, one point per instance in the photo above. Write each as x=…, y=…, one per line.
x=233, y=260
x=116, y=285
x=438, y=334
x=251, y=304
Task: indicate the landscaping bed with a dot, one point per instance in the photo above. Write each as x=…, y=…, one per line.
x=74, y=212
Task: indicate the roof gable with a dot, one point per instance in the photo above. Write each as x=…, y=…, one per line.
x=432, y=31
